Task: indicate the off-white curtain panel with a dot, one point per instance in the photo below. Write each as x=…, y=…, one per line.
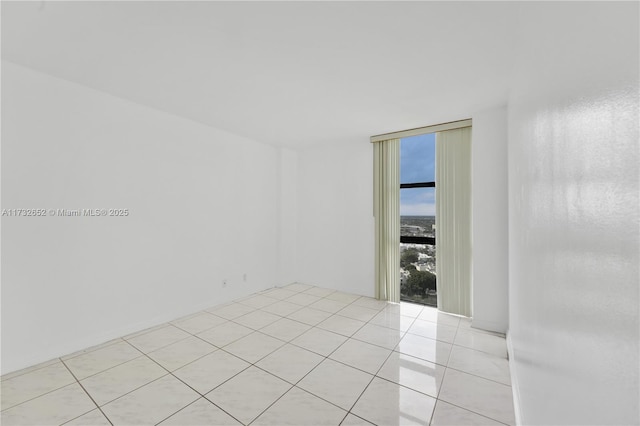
x=453, y=220
x=386, y=210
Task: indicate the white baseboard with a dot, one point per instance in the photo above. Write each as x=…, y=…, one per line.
x=515, y=389
x=488, y=326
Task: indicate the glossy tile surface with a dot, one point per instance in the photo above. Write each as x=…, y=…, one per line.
x=258, y=301
x=92, y=418
x=55, y=407
x=446, y=414
x=35, y=383
x=433, y=330
x=225, y=334
x=124, y=378
x=353, y=420
x=425, y=348
x=380, y=336
x=181, y=353
x=201, y=412
x=361, y=355
x=297, y=355
x=248, y=394
x=358, y=312
x=159, y=338
x=210, y=371
x=393, y=320
x=319, y=341
x=482, y=396
x=310, y=316
x=290, y=363
x=303, y=299
x=328, y=305
x=254, y=347
x=481, y=364
x=299, y=408
x=282, y=308
x=257, y=319
x=88, y=364
x=414, y=373
x=150, y=404
x=231, y=310
x=199, y=322
x=387, y=403
x=337, y=383
x=285, y=329
x=341, y=325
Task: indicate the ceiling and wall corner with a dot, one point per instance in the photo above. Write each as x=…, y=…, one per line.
x=286, y=73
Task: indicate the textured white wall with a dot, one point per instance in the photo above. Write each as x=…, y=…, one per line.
x=335, y=217
x=203, y=208
x=574, y=208
x=490, y=220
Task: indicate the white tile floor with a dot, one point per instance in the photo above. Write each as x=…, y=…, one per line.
x=297, y=355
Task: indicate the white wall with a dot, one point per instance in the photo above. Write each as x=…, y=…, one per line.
x=287, y=216
x=335, y=217
x=490, y=220
x=573, y=220
x=202, y=208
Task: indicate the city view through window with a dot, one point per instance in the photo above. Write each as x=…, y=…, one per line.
x=418, y=220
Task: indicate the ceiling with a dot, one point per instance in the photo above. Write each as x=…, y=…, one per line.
x=291, y=74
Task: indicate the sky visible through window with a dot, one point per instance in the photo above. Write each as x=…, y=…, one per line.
x=417, y=164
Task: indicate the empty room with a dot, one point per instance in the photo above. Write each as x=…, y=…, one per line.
x=320, y=213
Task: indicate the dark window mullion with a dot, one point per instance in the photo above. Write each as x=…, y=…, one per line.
x=418, y=185
x=406, y=239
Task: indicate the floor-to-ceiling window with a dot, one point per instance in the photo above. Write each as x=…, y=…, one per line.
x=418, y=219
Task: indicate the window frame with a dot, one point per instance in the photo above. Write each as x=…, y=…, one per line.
x=431, y=241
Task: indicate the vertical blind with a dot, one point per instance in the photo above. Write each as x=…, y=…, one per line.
x=453, y=220
x=386, y=210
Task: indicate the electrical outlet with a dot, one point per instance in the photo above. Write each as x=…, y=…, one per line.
x=224, y=283
x=244, y=278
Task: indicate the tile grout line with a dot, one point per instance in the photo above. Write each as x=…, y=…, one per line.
x=273, y=403
x=478, y=376
x=268, y=372
x=325, y=357
x=440, y=388
x=471, y=411
x=376, y=374
x=446, y=366
x=170, y=373
x=88, y=394
x=328, y=357
x=443, y=376
x=188, y=405
x=36, y=397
